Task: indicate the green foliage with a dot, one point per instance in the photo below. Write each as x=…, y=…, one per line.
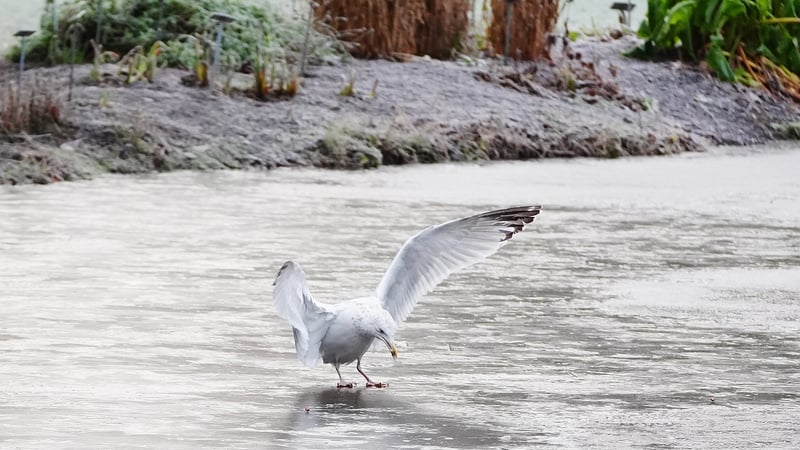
x=789, y=130
x=717, y=61
x=349, y=88
x=272, y=75
x=138, y=65
x=100, y=57
x=128, y=23
x=199, y=57
x=726, y=33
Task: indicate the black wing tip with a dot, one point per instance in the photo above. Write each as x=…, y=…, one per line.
x=525, y=214
x=515, y=218
x=528, y=209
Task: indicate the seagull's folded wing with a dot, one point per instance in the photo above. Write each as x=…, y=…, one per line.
x=309, y=319
x=430, y=256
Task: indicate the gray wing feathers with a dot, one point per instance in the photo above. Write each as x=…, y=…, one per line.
x=309, y=319
x=433, y=254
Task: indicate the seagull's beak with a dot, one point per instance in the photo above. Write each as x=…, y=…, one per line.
x=392, y=347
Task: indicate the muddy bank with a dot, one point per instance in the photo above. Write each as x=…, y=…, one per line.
x=421, y=111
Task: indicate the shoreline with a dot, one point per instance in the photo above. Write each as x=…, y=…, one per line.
x=423, y=111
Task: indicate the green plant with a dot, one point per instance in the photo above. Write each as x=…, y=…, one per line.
x=291, y=85
x=128, y=23
x=273, y=74
x=262, y=83
x=374, y=91
x=740, y=40
x=790, y=130
x=197, y=50
x=105, y=99
x=137, y=65
x=100, y=57
x=566, y=79
x=278, y=80
x=263, y=79
x=349, y=88
x=286, y=83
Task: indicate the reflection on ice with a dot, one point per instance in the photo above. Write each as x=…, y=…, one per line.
x=376, y=419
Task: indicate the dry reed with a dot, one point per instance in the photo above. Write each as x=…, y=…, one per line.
x=432, y=27
x=34, y=110
x=445, y=27
x=532, y=22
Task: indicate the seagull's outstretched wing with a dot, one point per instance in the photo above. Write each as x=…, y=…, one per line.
x=309, y=319
x=430, y=256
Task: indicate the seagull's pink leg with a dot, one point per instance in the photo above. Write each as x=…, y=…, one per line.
x=342, y=383
x=370, y=383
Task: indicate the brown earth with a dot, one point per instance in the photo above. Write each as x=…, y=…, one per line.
x=421, y=111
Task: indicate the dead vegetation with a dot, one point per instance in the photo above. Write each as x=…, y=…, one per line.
x=417, y=27
x=35, y=109
x=444, y=29
x=532, y=22
x=775, y=78
x=354, y=146
x=565, y=71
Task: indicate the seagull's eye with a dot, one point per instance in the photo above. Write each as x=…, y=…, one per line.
x=380, y=330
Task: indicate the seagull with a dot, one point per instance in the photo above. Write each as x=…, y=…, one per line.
x=341, y=333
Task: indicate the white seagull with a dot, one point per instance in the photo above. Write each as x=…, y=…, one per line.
x=341, y=333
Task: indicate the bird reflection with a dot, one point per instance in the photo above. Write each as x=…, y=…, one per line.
x=327, y=406
x=376, y=418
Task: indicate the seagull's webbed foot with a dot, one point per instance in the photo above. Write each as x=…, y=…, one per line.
x=370, y=383
x=343, y=384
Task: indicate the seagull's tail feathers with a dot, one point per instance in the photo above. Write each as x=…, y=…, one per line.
x=309, y=319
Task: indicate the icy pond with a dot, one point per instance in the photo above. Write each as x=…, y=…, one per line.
x=654, y=302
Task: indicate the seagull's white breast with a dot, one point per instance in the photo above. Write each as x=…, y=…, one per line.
x=350, y=334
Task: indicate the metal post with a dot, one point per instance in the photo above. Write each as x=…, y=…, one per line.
x=73, y=32
x=99, y=21
x=307, y=36
x=160, y=19
x=509, y=16
x=54, y=11
x=218, y=45
x=23, y=35
x=53, y=50
x=221, y=19
x=21, y=62
x=630, y=10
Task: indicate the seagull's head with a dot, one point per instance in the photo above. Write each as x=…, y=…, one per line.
x=384, y=329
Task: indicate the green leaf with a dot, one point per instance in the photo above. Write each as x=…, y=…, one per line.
x=743, y=76
x=764, y=50
x=729, y=10
x=644, y=30
x=790, y=8
x=790, y=56
x=711, y=9
x=678, y=18
x=681, y=13
x=717, y=61
x=764, y=7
